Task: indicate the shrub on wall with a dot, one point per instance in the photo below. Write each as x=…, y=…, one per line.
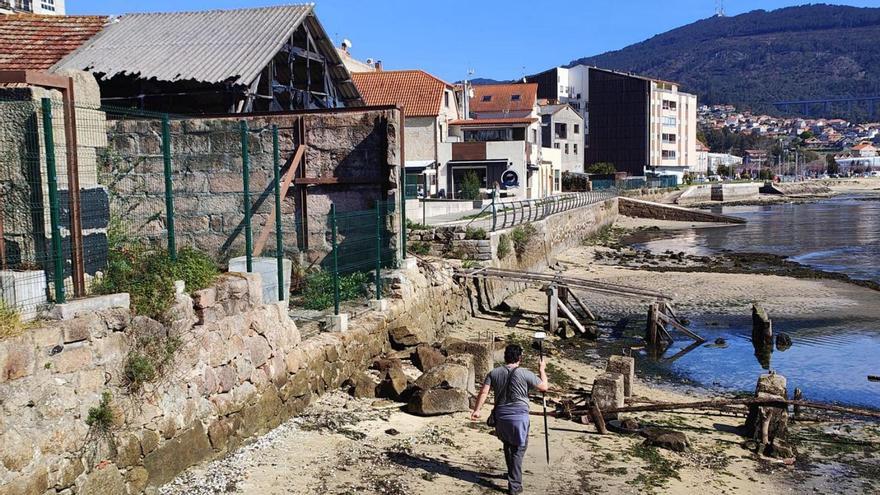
x=476, y=234
x=521, y=236
x=10, y=321
x=503, y=246
x=318, y=289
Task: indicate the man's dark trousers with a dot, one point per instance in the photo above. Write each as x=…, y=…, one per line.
x=513, y=455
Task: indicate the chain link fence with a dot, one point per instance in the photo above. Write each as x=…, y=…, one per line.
x=81, y=205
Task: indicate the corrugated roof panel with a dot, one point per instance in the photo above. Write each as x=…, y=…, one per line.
x=211, y=46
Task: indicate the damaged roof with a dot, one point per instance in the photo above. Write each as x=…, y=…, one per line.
x=212, y=46
x=36, y=42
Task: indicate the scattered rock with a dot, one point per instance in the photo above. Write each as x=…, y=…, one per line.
x=362, y=386
x=426, y=357
x=666, y=439
x=467, y=361
x=403, y=337
x=783, y=342
x=438, y=401
x=393, y=384
x=383, y=364
x=446, y=375
x=481, y=351
x=392, y=432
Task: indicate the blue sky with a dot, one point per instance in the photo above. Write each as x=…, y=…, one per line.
x=500, y=39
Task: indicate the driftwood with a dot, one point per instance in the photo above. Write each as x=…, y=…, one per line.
x=596, y=413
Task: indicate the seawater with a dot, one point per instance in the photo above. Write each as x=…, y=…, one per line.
x=830, y=358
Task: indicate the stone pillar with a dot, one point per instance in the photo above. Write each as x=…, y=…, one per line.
x=767, y=426
x=608, y=391
x=626, y=366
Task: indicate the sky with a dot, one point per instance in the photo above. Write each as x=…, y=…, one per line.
x=497, y=39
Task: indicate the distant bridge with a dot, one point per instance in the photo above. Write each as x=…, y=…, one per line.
x=806, y=106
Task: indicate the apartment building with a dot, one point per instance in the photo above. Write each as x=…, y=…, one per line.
x=501, y=144
x=641, y=125
x=45, y=7
x=562, y=128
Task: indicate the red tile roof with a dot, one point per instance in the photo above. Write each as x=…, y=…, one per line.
x=418, y=93
x=862, y=146
x=36, y=42
x=523, y=120
x=500, y=97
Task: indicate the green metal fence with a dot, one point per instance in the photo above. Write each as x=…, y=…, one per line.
x=160, y=183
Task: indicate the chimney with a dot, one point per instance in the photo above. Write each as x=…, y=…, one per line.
x=378, y=66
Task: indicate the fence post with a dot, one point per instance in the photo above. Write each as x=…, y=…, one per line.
x=54, y=208
x=169, y=191
x=335, y=259
x=279, y=244
x=246, y=187
x=403, y=208
x=494, y=210
x=378, y=251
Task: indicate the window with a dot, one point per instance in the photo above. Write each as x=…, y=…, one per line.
x=575, y=149
x=48, y=5
x=534, y=139
x=446, y=98
x=514, y=97
x=566, y=148
x=669, y=121
x=668, y=138
x=578, y=97
x=486, y=98
x=442, y=135
x=561, y=130
x=557, y=180
x=577, y=128
x=668, y=154
x=669, y=105
x=556, y=145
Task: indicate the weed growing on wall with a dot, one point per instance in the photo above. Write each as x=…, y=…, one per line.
x=10, y=321
x=503, y=246
x=420, y=248
x=476, y=234
x=317, y=292
x=101, y=416
x=521, y=236
x=148, y=360
x=410, y=225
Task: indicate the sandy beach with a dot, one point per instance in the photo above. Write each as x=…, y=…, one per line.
x=344, y=445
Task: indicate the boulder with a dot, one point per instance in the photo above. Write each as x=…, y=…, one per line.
x=481, y=351
x=383, y=364
x=446, y=375
x=404, y=336
x=105, y=479
x=783, y=342
x=393, y=383
x=467, y=361
x=666, y=439
x=362, y=386
x=426, y=357
x=438, y=401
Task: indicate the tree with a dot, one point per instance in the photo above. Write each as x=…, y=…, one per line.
x=601, y=168
x=723, y=170
x=765, y=174
x=805, y=135
x=831, y=164
x=470, y=186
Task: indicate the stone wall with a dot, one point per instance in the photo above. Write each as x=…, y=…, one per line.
x=646, y=209
x=353, y=156
x=240, y=371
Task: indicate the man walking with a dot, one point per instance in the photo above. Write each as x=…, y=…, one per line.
x=510, y=384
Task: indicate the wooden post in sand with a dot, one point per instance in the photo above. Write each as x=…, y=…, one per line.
x=553, y=308
x=651, y=330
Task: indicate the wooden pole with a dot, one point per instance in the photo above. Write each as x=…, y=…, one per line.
x=571, y=317
x=552, y=308
x=598, y=420
x=651, y=331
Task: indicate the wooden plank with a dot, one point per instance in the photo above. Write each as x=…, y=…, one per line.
x=598, y=419
x=583, y=306
x=285, y=184
x=671, y=321
x=571, y=317
x=552, y=307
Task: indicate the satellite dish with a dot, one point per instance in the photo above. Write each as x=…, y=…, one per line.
x=346, y=43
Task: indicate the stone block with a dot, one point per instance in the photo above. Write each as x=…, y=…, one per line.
x=74, y=357
x=483, y=353
x=16, y=358
x=267, y=268
x=104, y=479
x=337, y=323
x=76, y=307
x=447, y=375
x=771, y=384
x=467, y=361
x=393, y=383
x=362, y=386
x=608, y=391
x=426, y=357
x=626, y=366
x=379, y=304
x=438, y=401
x=204, y=298
x=407, y=336
x=177, y=454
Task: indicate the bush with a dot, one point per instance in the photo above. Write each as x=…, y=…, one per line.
x=521, y=236
x=149, y=275
x=318, y=290
x=503, y=246
x=148, y=359
x=601, y=168
x=470, y=186
x=101, y=416
x=410, y=225
x=476, y=234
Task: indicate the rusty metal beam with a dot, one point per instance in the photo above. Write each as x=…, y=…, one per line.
x=330, y=180
x=288, y=179
x=65, y=85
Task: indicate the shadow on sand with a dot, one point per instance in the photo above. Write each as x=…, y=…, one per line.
x=445, y=468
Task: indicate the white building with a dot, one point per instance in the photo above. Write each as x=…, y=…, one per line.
x=45, y=7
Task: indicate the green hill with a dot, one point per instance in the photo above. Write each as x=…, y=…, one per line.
x=756, y=58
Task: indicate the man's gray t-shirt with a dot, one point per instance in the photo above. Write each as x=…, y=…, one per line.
x=520, y=383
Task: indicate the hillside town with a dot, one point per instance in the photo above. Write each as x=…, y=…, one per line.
x=239, y=256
